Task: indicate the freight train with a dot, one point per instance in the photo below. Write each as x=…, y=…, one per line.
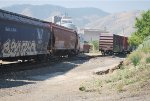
x=113, y=44
x=26, y=38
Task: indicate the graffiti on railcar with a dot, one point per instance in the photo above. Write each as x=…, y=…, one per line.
x=39, y=45
x=13, y=48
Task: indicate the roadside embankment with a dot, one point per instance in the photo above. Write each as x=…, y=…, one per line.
x=130, y=78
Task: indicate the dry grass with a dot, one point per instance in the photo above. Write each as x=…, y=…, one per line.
x=119, y=79
x=134, y=71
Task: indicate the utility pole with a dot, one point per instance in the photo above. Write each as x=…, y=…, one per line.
x=105, y=28
x=123, y=38
x=123, y=31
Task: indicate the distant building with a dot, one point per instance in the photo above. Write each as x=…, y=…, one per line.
x=56, y=19
x=65, y=21
x=91, y=34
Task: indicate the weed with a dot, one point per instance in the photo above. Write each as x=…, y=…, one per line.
x=130, y=81
x=119, y=87
x=97, y=83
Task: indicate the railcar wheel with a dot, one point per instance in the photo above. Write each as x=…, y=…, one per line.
x=103, y=53
x=41, y=58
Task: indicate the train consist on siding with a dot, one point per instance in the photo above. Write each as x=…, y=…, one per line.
x=25, y=38
x=111, y=43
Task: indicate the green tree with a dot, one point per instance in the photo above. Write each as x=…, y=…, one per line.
x=95, y=44
x=142, y=26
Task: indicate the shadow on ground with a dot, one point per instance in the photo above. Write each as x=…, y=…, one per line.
x=116, y=55
x=15, y=79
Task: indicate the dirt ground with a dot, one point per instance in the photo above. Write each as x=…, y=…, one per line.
x=61, y=82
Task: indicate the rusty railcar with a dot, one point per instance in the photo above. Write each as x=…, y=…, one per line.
x=86, y=48
x=111, y=43
x=106, y=43
x=65, y=41
x=120, y=44
x=22, y=37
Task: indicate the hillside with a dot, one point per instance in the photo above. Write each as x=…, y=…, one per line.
x=117, y=23
x=81, y=16
x=87, y=17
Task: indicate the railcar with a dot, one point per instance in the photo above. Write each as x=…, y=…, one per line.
x=65, y=41
x=22, y=37
x=26, y=38
x=86, y=48
x=111, y=43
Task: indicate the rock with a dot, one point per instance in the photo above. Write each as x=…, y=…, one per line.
x=110, y=70
x=82, y=88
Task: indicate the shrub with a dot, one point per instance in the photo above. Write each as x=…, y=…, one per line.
x=135, y=60
x=95, y=45
x=135, y=57
x=145, y=46
x=148, y=60
x=142, y=29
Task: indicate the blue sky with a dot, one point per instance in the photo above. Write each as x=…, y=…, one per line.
x=111, y=6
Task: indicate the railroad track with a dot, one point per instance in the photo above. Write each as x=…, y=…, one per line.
x=21, y=66
x=29, y=65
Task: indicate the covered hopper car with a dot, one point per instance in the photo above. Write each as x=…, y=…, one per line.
x=111, y=43
x=24, y=38
x=65, y=41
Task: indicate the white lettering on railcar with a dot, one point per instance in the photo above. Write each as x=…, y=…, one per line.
x=12, y=48
x=40, y=35
x=10, y=29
